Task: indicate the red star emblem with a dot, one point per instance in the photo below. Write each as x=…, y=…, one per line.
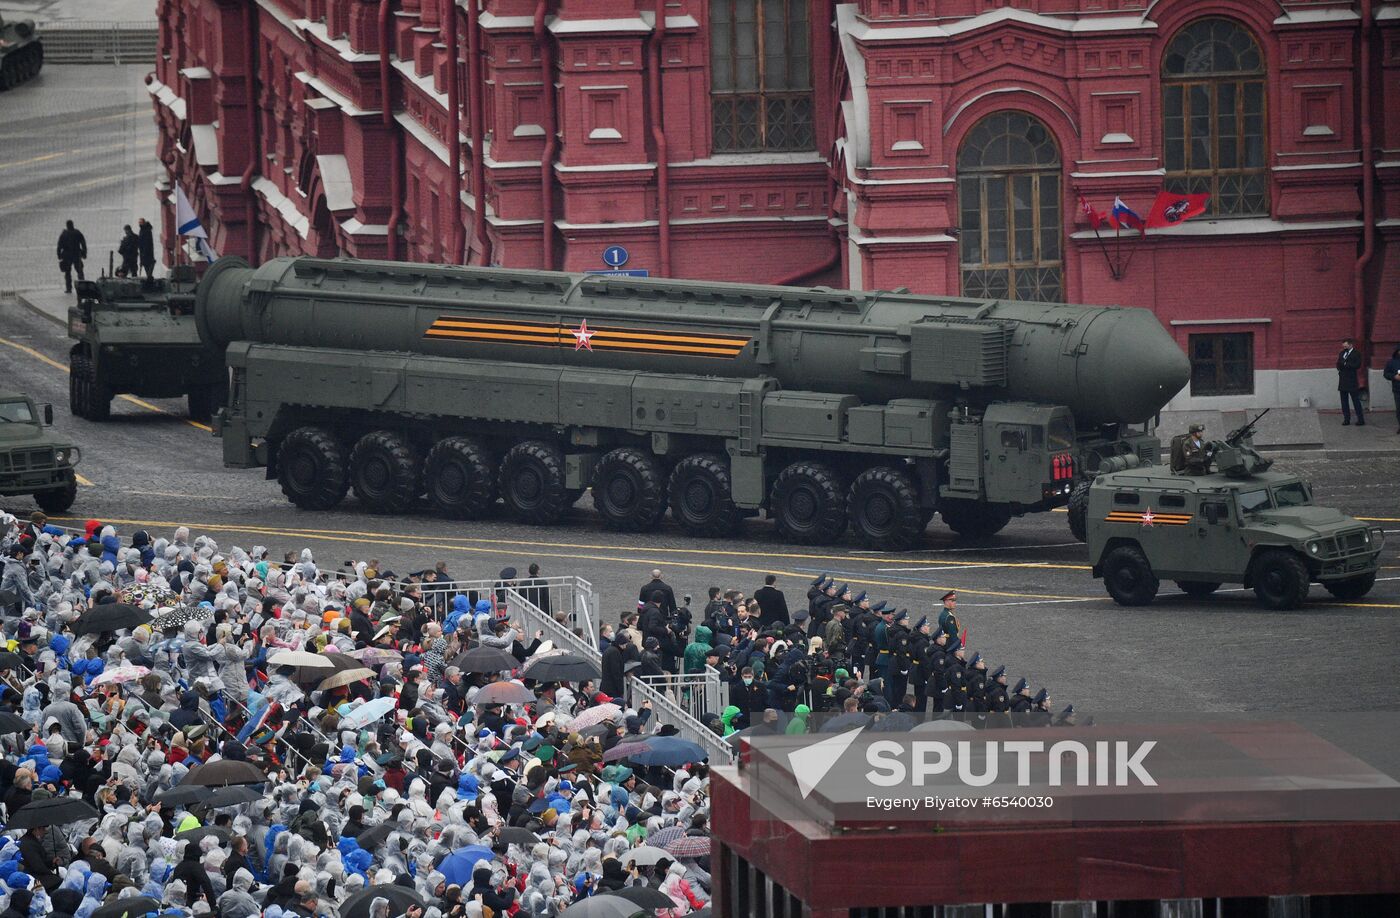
x=582, y=336
x=1147, y=517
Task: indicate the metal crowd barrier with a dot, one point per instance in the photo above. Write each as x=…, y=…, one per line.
x=99, y=42
x=698, y=693
x=670, y=711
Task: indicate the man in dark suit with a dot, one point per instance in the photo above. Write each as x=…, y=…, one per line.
x=772, y=603
x=1348, y=383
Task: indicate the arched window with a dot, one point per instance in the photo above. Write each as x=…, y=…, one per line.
x=1213, y=106
x=1009, y=198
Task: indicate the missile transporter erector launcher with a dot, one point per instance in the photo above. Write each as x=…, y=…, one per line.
x=826, y=409
x=21, y=52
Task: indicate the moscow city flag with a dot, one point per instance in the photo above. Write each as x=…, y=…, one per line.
x=1170, y=208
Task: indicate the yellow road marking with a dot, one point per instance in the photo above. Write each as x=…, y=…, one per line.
x=350, y=536
x=45, y=358
x=82, y=481
x=17, y=203
x=38, y=159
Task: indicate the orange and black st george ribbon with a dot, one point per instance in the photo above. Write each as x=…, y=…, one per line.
x=584, y=337
x=1148, y=518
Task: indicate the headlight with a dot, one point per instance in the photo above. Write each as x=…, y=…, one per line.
x=1314, y=547
x=60, y=456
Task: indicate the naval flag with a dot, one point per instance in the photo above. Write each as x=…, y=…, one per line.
x=187, y=224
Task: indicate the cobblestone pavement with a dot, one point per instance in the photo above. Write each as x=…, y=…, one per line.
x=79, y=143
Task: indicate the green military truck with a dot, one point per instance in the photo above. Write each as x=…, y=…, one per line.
x=139, y=337
x=827, y=410
x=32, y=460
x=1236, y=522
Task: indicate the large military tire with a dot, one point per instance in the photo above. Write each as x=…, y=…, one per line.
x=700, y=497
x=1280, y=579
x=1197, y=589
x=200, y=403
x=57, y=500
x=883, y=507
x=973, y=519
x=808, y=504
x=312, y=468
x=629, y=490
x=94, y=400
x=1352, y=587
x=386, y=472
x=1129, y=577
x=1079, y=511
x=532, y=483
x=461, y=478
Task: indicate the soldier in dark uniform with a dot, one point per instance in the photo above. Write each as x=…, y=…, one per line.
x=1021, y=702
x=1194, y=451
x=901, y=641
x=921, y=671
x=955, y=700
x=998, y=698
x=72, y=250
x=821, y=608
x=977, y=684
x=1040, y=709
x=938, y=670
x=1065, y=718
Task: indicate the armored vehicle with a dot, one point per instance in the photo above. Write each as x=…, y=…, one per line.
x=826, y=409
x=33, y=461
x=21, y=52
x=139, y=337
x=1236, y=521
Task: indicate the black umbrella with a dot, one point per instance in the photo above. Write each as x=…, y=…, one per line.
x=400, y=898
x=8, y=660
x=55, y=811
x=184, y=795
x=195, y=835
x=643, y=896
x=375, y=835
x=515, y=835
x=177, y=617
x=562, y=667
x=223, y=773
x=484, y=660
x=110, y=616
x=229, y=796
x=131, y=906
x=12, y=723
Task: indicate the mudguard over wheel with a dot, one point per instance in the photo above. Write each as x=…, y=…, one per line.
x=386, y=472
x=883, y=507
x=701, y=501
x=1280, y=579
x=460, y=474
x=532, y=483
x=57, y=500
x=808, y=504
x=312, y=468
x=1352, y=587
x=1197, y=589
x=1079, y=511
x=1129, y=577
x=974, y=519
x=629, y=490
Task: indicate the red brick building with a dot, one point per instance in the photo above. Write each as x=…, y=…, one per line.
x=940, y=145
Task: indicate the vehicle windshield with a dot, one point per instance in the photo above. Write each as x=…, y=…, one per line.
x=16, y=413
x=1254, y=501
x=1060, y=434
x=1292, y=495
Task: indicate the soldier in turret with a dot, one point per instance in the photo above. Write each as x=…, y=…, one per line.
x=1196, y=455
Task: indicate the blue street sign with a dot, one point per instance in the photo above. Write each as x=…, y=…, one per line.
x=629, y=272
x=614, y=256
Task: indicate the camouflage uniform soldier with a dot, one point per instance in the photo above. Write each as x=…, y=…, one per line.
x=1195, y=452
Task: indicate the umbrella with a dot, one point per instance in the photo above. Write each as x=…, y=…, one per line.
x=457, y=866
x=233, y=795
x=504, y=693
x=12, y=723
x=643, y=897
x=346, y=676
x=140, y=594
x=485, y=660
x=367, y=713
x=624, y=751
x=846, y=722
x=375, y=656
x=55, y=811
x=223, y=773
x=650, y=853
x=690, y=846
x=130, y=906
x=400, y=898
x=595, y=715
x=120, y=674
x=663, y=837
x=180, y=615
x=184, y=795
x=669, y=752
x=562, y=667
x=110, y=616
x=375, y=835
x=515, y=835
x=8, y=660
x=194, y=835
x=300, y=658
x=597, y=907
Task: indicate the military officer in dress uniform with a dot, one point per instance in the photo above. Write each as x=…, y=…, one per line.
x=1021, y=701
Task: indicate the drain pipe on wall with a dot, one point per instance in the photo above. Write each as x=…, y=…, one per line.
x=250, y=18
x=1360, y=325
x=658, y=137
x=453, y=27
x=542, y=42
x=386, y=104
x=478, y=130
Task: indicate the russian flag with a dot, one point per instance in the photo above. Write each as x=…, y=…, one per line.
x=1122, y=215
